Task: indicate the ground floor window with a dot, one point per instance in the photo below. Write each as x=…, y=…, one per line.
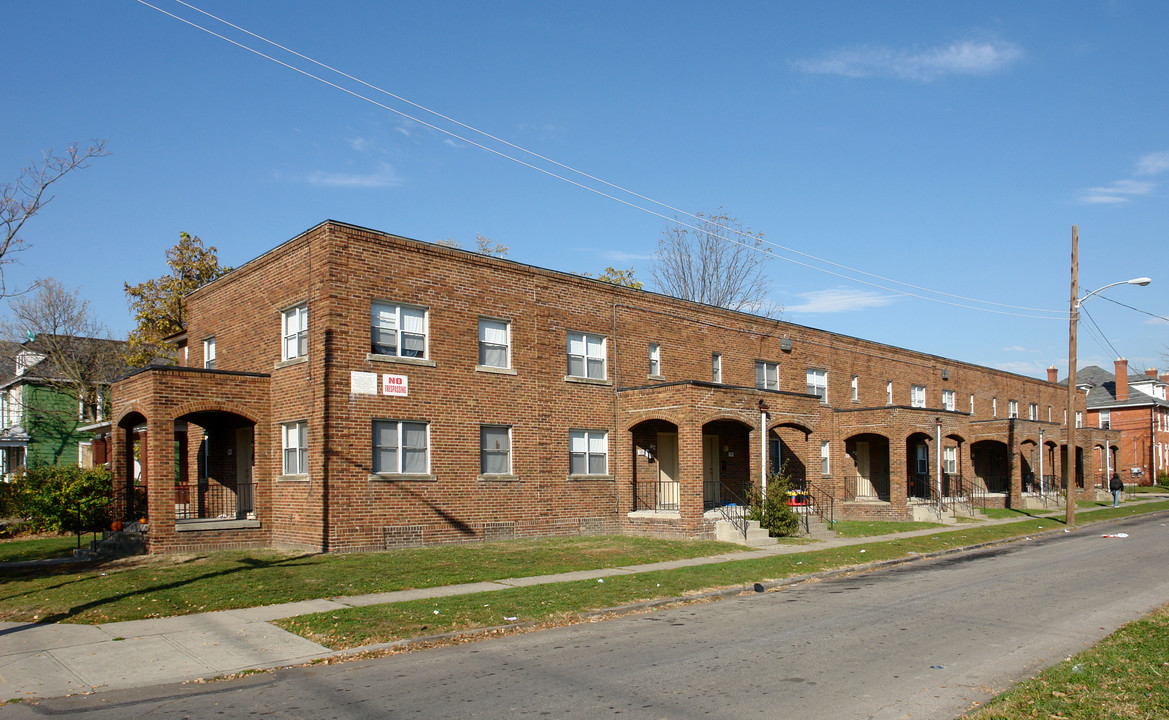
x=588, y=452
x=495, y=450
x=295, y=445
x=401, y=447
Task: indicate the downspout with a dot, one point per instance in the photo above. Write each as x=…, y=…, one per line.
x=763, y=448
x=938, y=464
x=1042, y=477
x=616, y=425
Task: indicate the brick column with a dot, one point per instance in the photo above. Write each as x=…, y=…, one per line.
x=898, y=473
x=159, y=472
x=690, y=472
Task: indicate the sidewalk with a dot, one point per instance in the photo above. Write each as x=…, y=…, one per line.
x=60, y=659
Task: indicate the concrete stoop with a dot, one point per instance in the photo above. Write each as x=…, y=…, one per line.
x=116, y=544
x=726, y=531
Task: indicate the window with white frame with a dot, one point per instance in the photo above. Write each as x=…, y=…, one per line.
x=766, y=375
x=889, y=392
x=588, y=452
x=949, y=400
x=950, y=460
x=5, y=410
x=971, y=403
x=917, y=396
x=1033, y=411
x=994, y=407
x=397, y=330
x=495, y=449
x=824, y=467
x=655, y=359
x=92, y=408
x=1048, y=413
x=209, y=353
x=1079, y=419
x=586, y=355
x=401, y=447
x=294, y=325
x=494, y=343
x=294, y=442
x=716, y=368
x=1105, y=419
x=855, y=388
x=1012, y=408
x=818, y=384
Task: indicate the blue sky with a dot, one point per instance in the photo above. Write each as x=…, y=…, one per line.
x=949, y=146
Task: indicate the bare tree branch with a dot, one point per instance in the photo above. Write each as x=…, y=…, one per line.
x=714, y=260
x=26, y=196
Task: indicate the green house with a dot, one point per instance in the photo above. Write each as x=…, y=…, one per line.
x=51, y=389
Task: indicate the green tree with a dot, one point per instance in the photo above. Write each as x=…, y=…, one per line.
x=483, y=245
x=160, y=305
x=625, y=278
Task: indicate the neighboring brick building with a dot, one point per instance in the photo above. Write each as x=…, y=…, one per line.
x=354, y=390
x=1136, y=406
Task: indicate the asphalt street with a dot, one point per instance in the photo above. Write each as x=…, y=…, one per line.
x=921, y=640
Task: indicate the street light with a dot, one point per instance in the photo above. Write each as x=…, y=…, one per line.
x=1074, y=316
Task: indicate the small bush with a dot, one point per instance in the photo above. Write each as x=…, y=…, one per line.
x=1163, y=480
x=63, y=498
x=772, y=511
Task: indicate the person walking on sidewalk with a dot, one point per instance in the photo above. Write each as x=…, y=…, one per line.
x=1117, y=487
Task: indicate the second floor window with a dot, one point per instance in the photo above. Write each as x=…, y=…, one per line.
x=766, y=375
x=655, y=359
x=209, y=353
x=586, y=355
x=818, y=384
x=494, y=343
x=716, y=368
x=949, y=400
x=1012, y=408
x=917, y=396
x=856, y=388
x=397, y=330
x=1033, y=411
x=294, y=323
x=1105, y=419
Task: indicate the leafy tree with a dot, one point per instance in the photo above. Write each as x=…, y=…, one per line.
x=772, y=510
x=624, y=278
x=65, y=348
x=26, y=196
x=713, y=259
x=160, y=305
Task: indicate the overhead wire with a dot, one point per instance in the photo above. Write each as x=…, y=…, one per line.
x=1055, y=314
x=1099, y=333
x=1130, y=307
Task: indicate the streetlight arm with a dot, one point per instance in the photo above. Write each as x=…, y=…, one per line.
x=1142, y=281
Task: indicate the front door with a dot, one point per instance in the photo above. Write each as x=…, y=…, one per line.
x=244, y=495
x=711, y=493
x=864, y=483
x=667, y=471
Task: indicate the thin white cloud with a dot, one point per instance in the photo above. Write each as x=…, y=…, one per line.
x=1020, y=348
x=359, y=144
x=622, y=256
x=1120, y=191
x=1157, y=321
x=1153, y=164
x=383, y=177
x=964, y=57
x=839, y=300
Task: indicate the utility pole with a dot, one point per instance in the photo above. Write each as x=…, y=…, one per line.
x=1070, y=463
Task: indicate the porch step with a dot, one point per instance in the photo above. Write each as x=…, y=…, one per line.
x=819, y=530
x=726, y=531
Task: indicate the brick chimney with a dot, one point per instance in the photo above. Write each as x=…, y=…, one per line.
x=1165, y=377
x=1052, y=374
x=1151, y=372
x=1121, y=391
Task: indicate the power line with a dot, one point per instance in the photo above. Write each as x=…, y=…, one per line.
x=1100, y=331
x=1130, y=307
x=678, y=212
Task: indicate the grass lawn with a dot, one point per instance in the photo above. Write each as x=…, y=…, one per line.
x=558, y=603
x=157, y=586
x=869, y=528
x=1122, y=677
x=40, y=548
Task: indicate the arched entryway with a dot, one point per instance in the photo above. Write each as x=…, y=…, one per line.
x=128, y=502
x=215, y=451
x=868, y=477
x=991, y=461
x=917, y=460
x=726, y=463
x=656, y=481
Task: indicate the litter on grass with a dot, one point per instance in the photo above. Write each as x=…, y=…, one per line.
x=1117, y=535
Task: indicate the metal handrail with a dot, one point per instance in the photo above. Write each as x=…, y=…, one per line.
x=820, y=501
x=735, y=512
x=214, y=500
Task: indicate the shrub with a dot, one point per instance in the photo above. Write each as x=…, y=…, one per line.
x=772, y=511
x=63, y=498
x=1163, y=479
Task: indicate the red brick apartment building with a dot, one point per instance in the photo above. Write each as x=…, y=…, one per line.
x=354, y=390
x=1136, y=406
